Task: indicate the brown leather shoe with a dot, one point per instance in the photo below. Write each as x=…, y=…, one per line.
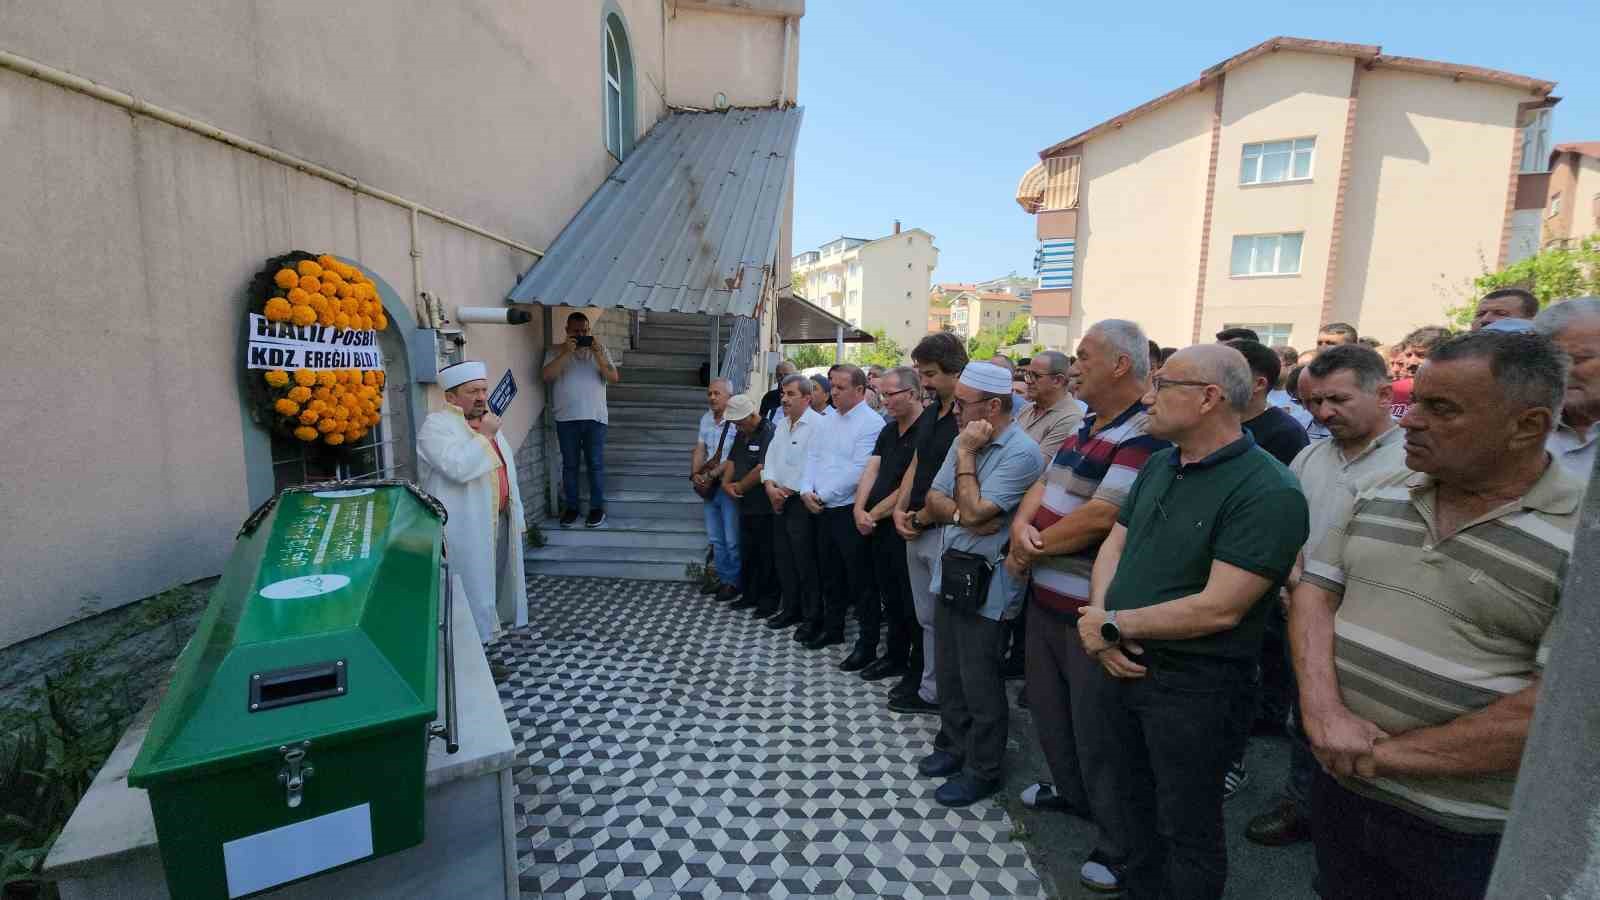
x=1281, y=826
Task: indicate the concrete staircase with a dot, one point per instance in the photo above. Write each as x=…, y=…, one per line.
x=654, y=526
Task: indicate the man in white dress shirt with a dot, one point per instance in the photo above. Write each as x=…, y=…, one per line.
x=834, y=463
x=794, y=532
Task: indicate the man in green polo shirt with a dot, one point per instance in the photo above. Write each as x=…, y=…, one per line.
x=1179, y=599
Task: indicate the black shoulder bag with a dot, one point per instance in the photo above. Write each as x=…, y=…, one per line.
x=964, y=583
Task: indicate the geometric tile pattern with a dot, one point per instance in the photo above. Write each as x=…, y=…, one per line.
x=669, y=746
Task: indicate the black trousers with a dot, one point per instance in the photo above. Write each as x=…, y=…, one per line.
x=795, y=540
x=973, y=710
x=1169, y=738
x=847, y=576
x=755, y=564
x=903, y=639
x=1370, y=850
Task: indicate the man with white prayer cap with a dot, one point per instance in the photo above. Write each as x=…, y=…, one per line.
x=988, y=470
x=464, y=461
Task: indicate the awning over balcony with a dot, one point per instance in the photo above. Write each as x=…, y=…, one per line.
x=688, y=223
x=803, y=322
x=1052, y=184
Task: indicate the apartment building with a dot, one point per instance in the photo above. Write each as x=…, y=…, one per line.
x=975, y=311
x=1571, y=210
x=1296, y=183
x=881, y=283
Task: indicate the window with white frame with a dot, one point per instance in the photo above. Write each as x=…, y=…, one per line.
x=618, y=89
x=1555, y=205
x=1274, y=334
x=1274, y=161
x=1266, y=254
x=1536, y=141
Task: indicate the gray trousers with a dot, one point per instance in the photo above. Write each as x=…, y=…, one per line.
x=974, y=712
x=1065, y=687
x=920, y=557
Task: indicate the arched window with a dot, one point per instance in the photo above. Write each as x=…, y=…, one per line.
x=617, y=72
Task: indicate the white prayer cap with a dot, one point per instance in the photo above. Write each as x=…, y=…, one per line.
x=739, y=407
x=452, y=377
x=986, y=377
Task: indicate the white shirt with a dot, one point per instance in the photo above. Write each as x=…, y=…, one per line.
x=579, y=392
x=712, y=438
x=786, y=455
x=1573, y=450
x=839, y=453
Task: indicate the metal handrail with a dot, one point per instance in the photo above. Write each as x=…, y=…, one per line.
x=448, y=731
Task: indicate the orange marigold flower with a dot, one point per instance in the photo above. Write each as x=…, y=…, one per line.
x=302, y=315
x=349, y=307
x=327, y=317
x=276, y=377
x=304, y=432
x=346, y=290
x=333, y=438
x=327, y=377
x=318, y=404
x=340, y=413
x=286, y=407
x=341, y=321
x=327, y=261
x=310, y=284
x=286, y=278
x=329, y=289
x=380, y=321
x=300, y=393
x=276, y=310
x=309, y=416
x=308, y=267
x=365, y=291
x=298, y=296
x=305, y=377
x=327, y=423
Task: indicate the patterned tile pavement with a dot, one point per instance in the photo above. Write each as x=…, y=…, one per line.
x=670, y=746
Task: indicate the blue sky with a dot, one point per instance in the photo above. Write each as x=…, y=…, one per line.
x=930, y=111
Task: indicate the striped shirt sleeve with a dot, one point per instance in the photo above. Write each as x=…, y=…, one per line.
x=1126, y=462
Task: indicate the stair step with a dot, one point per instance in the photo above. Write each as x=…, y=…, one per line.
x=618, y=482
x=669, y=438
x=655, y=417
x=686, y=511
x=647, y=359
x=672, y=377
x=606, y=569
x=629, y=392
x=655, y=464
x=610, y=537
x=681, y=556
x=628, y=524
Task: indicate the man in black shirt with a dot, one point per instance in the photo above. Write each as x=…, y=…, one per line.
x=1276, y=432
x=939, y=359
x=741, y=480
x=875, y=500
x=772, y=402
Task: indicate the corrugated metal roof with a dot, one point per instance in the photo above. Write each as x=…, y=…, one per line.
x=802, y=322
x=688, y=222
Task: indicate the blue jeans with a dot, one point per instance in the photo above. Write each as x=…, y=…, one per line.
x=722, y=526
x=587, y=437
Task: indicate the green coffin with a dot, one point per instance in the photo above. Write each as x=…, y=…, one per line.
x=293, y=736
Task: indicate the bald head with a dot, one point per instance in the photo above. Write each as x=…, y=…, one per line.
x=1216, y=364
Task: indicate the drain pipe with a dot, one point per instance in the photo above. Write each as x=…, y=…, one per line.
x=783, y=82
x=132, y=104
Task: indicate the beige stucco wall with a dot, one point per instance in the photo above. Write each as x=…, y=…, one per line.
x=1579, y=184
x=736, y=54
x=1280, y=96
x=1427, y=196
x=129, y=243
x=1141, y=199
x=895, y=274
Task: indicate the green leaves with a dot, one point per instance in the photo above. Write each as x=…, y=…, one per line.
x=1553, y=274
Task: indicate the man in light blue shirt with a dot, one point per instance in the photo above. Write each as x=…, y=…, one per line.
x=835, y=459
x=712, y=448
x=989, y=469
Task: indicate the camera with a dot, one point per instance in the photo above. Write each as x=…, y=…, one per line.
x=585, y=340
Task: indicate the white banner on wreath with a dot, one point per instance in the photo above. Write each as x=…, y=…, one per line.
x=283, y=345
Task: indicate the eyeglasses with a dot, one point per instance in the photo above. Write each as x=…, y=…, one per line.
x=1030, y=376
x=887, y=394
x=1157, y=383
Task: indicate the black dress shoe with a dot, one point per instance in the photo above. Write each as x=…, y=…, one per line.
x=1280, y=826
x=727, y=592
x=784, y=620
x=710, y=587
x=763, y=613
x=913, y=704
x=806, y=632
x=859, y=659
x=742, y=603
x=965, y=790
x=907, y=687
x=824, y=639
x=881, y=669
x=940, y=764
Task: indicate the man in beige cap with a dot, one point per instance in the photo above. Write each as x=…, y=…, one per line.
x=464, y=461
x=741, y=481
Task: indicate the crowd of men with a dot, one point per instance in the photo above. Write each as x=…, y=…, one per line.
x=1361, y=547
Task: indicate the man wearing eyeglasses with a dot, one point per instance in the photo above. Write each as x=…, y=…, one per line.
x=1179, y=599
x=1051, y=415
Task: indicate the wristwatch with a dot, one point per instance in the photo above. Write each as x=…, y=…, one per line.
x=1109, y=632
x=956, y=519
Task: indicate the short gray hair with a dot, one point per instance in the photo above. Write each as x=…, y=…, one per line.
x=906, y=377
x=1555, y=318
x=727, y=384
x=801, y=380
x=1128, y=339
x=1059, y=362
x=1530, y=370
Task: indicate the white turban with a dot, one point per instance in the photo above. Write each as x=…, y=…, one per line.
x=452, y=377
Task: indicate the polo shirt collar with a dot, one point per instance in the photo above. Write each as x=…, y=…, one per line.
x=1558, y=492
x=1581, y=438
x=1125, y=415
x=1394, y=435
x=1239, y=447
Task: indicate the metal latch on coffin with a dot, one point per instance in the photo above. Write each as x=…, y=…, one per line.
x=296, y=769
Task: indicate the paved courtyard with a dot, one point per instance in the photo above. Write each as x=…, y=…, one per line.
x=672, y=747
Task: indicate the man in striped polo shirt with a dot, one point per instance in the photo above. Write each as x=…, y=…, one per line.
x=1055, y=535
x=1421, y=623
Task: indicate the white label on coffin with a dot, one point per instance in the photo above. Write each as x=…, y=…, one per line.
x=259, y=861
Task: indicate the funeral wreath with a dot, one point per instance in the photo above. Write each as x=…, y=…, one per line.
x=311, y=358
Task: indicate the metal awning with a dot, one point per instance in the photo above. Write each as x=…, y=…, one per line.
x=802, y=322
x=688, y=222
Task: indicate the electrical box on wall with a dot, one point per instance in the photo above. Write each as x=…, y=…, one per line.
x=422, y=351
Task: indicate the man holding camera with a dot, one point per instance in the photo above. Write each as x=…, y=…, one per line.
x=579, y=372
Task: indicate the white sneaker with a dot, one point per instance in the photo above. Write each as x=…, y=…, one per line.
x=1234, y=781
x=1101, y=875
